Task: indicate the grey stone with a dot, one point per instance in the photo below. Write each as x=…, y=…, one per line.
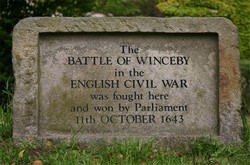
x=198, y=56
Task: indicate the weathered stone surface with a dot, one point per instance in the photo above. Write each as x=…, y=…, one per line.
x=200, y=54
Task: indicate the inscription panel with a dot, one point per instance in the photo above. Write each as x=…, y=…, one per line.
x=128, y=84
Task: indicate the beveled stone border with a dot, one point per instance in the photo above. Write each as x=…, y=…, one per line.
x=26, y=52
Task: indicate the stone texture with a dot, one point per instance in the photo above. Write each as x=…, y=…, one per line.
x=42, y=100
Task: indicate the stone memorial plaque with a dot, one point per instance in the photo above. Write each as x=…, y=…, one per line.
x=105, y=78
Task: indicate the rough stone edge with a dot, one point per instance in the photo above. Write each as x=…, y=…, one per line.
x=25, y=62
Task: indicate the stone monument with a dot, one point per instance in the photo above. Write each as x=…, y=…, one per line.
x=102, y=78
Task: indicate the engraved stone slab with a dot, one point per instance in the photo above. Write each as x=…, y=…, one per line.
x=104, y=78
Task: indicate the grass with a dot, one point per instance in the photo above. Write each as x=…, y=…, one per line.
x=203, y=151
x=129, y=152
x=6, y=113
